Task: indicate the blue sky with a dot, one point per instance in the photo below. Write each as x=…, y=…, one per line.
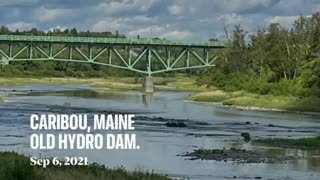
x=173, y=19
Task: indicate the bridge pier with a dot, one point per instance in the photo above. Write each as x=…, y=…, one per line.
x=148, y=84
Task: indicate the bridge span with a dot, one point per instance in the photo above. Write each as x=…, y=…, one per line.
x=147, y=56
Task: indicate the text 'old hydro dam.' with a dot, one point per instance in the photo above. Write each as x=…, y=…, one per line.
x=147, y=56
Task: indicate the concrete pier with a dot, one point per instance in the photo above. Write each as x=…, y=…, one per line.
x=148, y=84
x=147, y=99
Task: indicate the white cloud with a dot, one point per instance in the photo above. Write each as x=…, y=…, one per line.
x=238, y=5
x=140, y=18
x=177, y=35
x=124, y=24
x=125, y=6
x=62, y=28
x=20, y=26
x=165, y=31
x=43, y=14
x=209, y=7
x=152, y=31
x=231, y=19
x=176, y=9
x=283, y=20
x=109, y=24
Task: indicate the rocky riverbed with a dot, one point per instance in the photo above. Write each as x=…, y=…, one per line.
x=237, y=155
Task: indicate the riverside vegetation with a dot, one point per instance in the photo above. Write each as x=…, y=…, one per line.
x=14, y=166
x=274, y=68
x=302, y=143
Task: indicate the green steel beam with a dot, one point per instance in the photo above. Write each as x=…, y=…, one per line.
x=159, y=58
x=112, y=41
x=151, y=57
x=139, y=57
x=183, y=52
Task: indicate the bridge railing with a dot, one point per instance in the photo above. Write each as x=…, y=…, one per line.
x=142, y=41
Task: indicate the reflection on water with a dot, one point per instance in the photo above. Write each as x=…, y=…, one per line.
x=147, y=99
x=209, y=126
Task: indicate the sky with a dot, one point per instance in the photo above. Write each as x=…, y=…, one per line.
x=171, y=19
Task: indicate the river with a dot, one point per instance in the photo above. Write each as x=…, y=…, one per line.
x=209, y=126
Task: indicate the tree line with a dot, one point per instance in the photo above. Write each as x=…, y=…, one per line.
x=274, y=60
x=60, y=32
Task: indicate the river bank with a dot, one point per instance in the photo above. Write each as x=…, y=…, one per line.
x=302, y=143
x=238, y=99
x=248, y=101
x=118, y=83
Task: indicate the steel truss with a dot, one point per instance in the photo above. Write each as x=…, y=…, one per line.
x=147, y=59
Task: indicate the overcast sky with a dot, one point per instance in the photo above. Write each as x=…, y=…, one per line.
x=173, y=19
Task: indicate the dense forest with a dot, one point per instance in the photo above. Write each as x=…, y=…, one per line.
x=274, y=60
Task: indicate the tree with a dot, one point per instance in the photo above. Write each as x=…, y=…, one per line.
x=74, y=32
x=66, y=32
x=237, y=56
x=315, y=20
x=259, y=51
x=117, y=33
x=4, y=30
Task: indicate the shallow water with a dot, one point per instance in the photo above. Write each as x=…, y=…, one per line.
x=209, y=126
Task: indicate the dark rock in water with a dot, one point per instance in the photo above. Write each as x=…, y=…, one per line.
x=248, y=122
x=237, y=155
x=201, y=123
x=159, y=118
x=257, y=177
x=176, y=124
x=246, y=136
x=66, y=104
x=271, y=125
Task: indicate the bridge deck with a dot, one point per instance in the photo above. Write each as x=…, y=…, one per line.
x=115, y=41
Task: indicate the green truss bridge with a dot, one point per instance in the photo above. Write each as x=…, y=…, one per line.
x=147, y=56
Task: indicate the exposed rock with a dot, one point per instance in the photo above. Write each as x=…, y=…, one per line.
x=236, y=155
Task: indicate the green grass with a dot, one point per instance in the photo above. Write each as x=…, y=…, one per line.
x=292, y=143
x=276, y=102
x=263, y=101
x=17, y=167
x=243, y=99
x=211, y=96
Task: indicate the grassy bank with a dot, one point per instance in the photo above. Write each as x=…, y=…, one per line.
x=292, y=143
x=14, y=166
x=243, y=99
x=128, y=83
